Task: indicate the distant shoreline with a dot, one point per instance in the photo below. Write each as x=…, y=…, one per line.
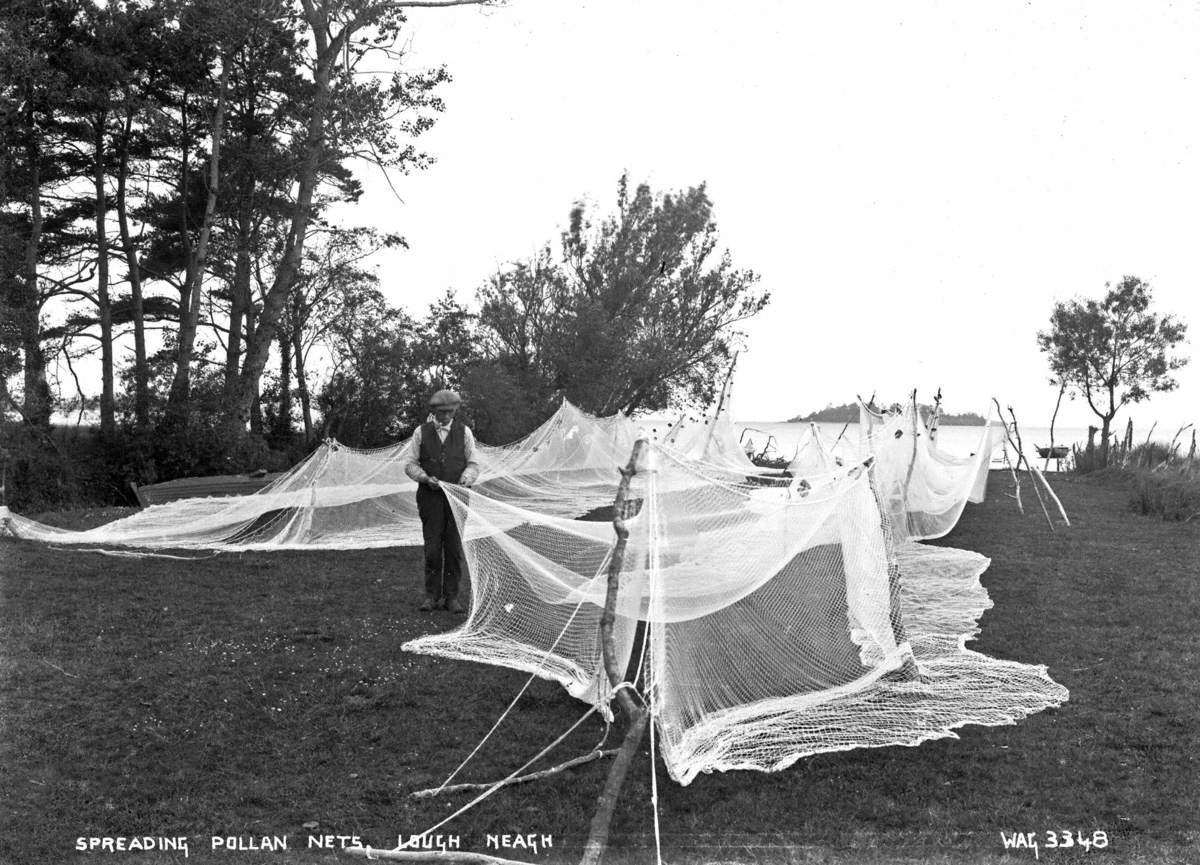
x=849, y=414
x=973, y=420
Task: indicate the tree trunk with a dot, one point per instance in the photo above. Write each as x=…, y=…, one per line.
x=282, y=432
x=189, y=318
x=256, y=424
x=38, y=400
x=141, y=374
x=108, y=420
x=289, y=268
x=1105, y=423
x=239, y=308
x=298, y=319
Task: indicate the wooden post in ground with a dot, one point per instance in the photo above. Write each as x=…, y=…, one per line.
x=1062, y=388
x=935, y=416
x=912, y=463
x=721, y=400
x=639, y=716
x=1011, y=431
x=597, y=841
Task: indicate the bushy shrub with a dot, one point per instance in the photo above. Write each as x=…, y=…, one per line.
x=71, y=467
x=37, y=474
x=1173, y=494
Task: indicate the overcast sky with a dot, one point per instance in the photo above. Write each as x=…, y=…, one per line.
x=916, y=182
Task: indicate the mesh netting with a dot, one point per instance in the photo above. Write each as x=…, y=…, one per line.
x=924, y=489
x=346, y=498
x=780, y=623
x=784, y=616
x=710, y=438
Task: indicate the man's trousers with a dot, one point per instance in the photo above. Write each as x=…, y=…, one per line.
x=444, y=560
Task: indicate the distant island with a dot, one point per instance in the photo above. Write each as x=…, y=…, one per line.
x=848, y=413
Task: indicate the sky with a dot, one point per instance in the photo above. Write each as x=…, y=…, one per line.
x=917, y=183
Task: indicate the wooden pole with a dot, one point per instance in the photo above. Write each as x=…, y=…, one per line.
x=1061, y=390
x=1011, y=468
x=936, y=416
x=1009, y=433
x=1021, y=459
x=520, y=779
x=912, y=463
x=597, y=841
x=720, y=405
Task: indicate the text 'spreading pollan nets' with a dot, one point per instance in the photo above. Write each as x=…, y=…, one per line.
x=781, y=620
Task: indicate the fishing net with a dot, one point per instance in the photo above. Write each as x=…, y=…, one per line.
x=347, y=498
x=923, y=488
x=710, y=437
x=780, y=623
x=783, y=615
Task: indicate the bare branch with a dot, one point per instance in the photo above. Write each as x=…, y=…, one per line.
x=532, y=776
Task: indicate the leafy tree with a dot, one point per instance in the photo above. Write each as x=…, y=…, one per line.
x=32, y=154
x=101, y=60
x=631, y=313
x=367, y=400
x=444, y=344
x=334, y=280
x=1115, y=351
x=346, y=115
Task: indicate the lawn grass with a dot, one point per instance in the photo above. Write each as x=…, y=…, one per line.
x=251, y=694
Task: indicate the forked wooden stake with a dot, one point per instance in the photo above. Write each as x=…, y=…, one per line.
x=1009, y=433
x=1062, y=388
x=639, y=716
x=1011, y=468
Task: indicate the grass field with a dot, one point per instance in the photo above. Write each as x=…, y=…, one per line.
x=261, y=694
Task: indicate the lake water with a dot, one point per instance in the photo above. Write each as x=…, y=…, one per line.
x=955, y=440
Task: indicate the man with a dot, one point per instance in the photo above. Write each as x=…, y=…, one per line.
x=441, y=450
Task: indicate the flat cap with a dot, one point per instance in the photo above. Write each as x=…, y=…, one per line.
x=445, y=399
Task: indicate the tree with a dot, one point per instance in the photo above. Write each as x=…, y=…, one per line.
x=345, y=117
x=32, y=83
x=366, y=401
x=632, y=313
x=100, y=61
x=1114, y=351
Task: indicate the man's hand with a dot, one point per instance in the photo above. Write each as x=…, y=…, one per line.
x=432, y=482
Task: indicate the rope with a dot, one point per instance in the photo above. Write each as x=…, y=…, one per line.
x=131, y=554
x=653, y=709
x=513, y=703
x=486, y=793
